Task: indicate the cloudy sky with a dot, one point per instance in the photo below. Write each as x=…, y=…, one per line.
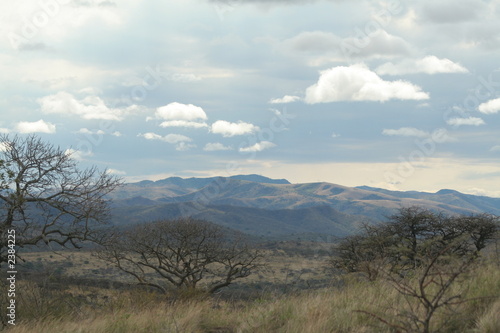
x=395, y=94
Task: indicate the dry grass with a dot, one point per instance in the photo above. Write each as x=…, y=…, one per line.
x=332, y=309
x=326, y=310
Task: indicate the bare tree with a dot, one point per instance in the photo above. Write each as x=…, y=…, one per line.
x=45, y=198
x=428, y=293
x=182, y=253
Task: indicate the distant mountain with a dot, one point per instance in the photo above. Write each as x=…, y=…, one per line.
x=264, y=206
x=176, y=186
x=254, y=221
x=450, y=197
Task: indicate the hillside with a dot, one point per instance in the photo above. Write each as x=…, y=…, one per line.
x=264, y=206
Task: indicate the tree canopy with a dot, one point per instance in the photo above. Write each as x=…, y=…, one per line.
x=45, y=197
x=182, y=254
x=412, y=235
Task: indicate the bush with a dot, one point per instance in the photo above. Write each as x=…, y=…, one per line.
x=410, y=236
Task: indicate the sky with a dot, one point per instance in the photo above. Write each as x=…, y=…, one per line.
x=402, y=95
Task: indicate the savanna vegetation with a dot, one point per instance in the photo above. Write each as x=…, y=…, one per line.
x=420, y=271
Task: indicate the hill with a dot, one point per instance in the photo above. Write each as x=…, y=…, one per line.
x=264, y=206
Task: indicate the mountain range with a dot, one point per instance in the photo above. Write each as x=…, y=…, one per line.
x=276, y=208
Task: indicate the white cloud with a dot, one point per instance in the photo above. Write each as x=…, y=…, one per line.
x=116, y=172
x=228, y=129
x=178, y=111
x=84, y=131
x=495, y=148
x=358, y=83
x=465, y=121
x=285, y=99
x=40, y=126
x=259, y=146
x=180, y=141
x=216, y=146
x=181, y=115
x=3, y=146
x=405, y=131
x=91, y=107
x=116, y=133
x=78, y=154
x=4, y=130
x=183, y=123
x=183, y=146
x=428, y=65
x=170, y=138
x=490, y=107
x=87, y=131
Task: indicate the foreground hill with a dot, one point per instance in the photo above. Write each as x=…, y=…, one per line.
x=263, y=206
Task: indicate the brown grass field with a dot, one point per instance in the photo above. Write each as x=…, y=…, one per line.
x=73, y=291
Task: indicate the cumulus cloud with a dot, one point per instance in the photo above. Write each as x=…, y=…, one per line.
x=405, y=131
x=181, y=141
x=40, y=126
x=183, y=123
x=116, y=172
x=181, y=115
x=228, y=129
x=97, y=132
x=490, y=107
x=428, y=65
x=285, y=99
x=179, y=111
x=465, y=121
x=87, y=131
x=170, y=138
x=78, y=155
x=216, y=146
x=358, y=83
x=259, y=146
x=91, y=107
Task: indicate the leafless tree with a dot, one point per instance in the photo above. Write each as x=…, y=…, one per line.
x=428, y=293
x=182, y=253
x=45, y=197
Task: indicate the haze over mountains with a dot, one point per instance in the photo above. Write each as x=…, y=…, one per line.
x=274, y=207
